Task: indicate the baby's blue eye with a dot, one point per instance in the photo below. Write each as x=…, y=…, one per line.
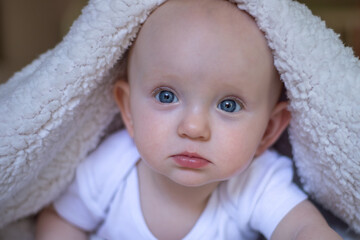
x=166, y=96
x=229, y=105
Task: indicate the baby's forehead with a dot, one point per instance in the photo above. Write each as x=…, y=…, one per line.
x=223, y=26
x=203, y=13
x=188, y=19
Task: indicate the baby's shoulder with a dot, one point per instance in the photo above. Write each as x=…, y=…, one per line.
x=113, y=151
x=262, y=194
x=263, y=173
x=270, y=164
x=110, y=161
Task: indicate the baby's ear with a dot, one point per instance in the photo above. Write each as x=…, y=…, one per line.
x=279, y=120
x=122, y=98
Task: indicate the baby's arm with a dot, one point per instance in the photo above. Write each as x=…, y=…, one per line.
x=51, y=226
x=304, y=222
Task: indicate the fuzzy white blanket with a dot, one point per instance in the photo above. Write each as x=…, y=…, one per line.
x=56, y=110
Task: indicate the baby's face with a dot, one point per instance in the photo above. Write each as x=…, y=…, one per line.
x=202, y=90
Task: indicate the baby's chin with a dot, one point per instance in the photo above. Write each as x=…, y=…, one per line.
x=193, y=180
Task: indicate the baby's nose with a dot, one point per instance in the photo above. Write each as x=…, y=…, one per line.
x=195, y=125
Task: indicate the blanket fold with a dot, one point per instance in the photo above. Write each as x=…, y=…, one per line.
x=55, y=110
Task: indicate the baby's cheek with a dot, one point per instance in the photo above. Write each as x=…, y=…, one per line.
x=148, y=136
x=237, y=154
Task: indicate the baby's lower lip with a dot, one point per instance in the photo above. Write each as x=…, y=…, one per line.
x=190, y=161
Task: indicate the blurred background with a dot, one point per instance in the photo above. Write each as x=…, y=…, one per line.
x=30, y=27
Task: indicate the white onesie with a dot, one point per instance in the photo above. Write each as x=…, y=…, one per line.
x=104, y=198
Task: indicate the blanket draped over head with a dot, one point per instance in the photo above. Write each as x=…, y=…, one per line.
x=57, y=109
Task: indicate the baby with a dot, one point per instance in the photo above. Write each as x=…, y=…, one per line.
x=200, y=102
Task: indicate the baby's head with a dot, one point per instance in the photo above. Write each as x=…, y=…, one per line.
x=201, y=94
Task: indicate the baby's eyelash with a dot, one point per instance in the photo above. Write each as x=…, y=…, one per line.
x=159, y=89
x=236, y=99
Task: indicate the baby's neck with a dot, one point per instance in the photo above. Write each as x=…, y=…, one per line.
x=162, y=199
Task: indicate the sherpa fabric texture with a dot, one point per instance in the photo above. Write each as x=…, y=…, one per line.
x=56, y=110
